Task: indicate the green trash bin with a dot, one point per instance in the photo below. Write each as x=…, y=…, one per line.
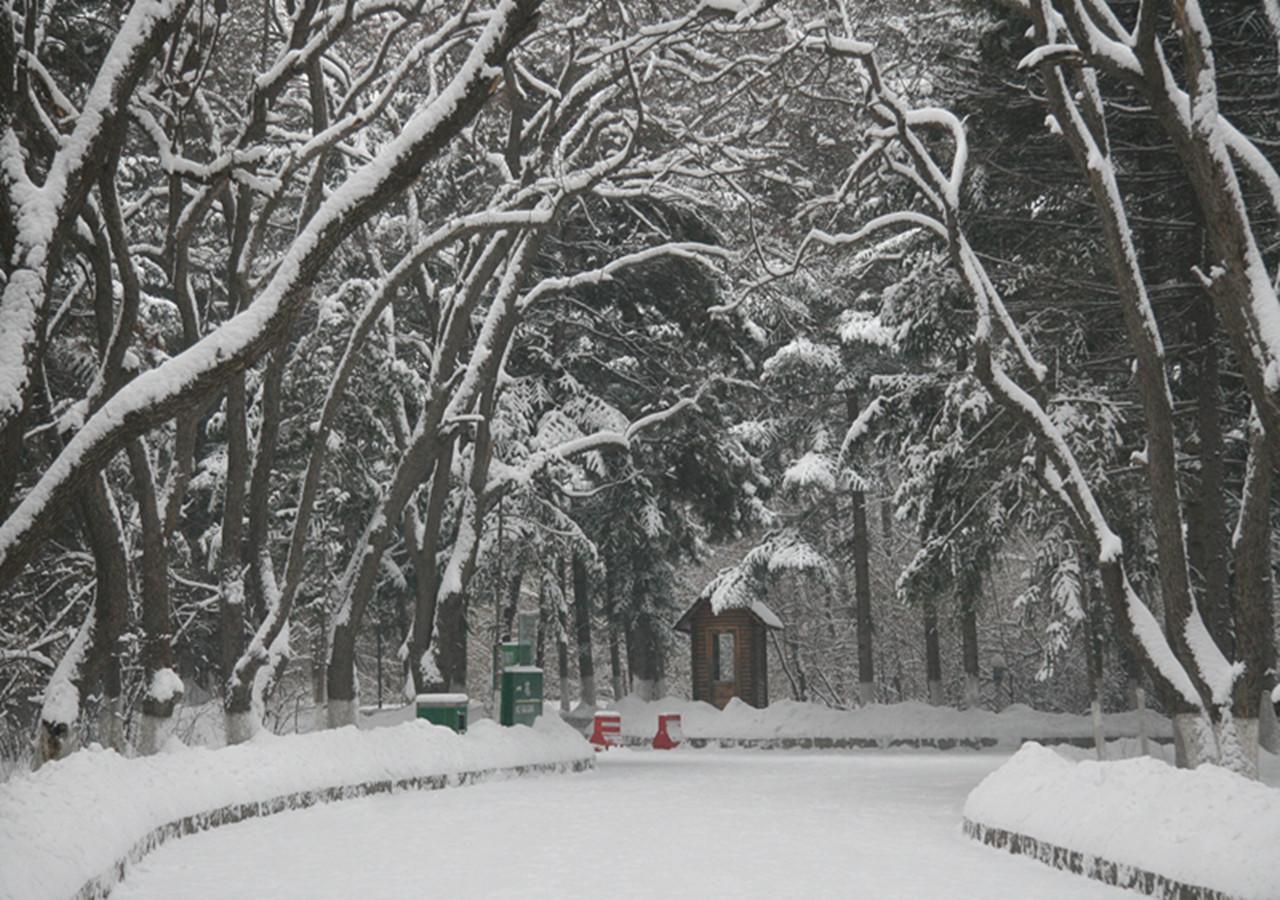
x=521, y=701
x=449, y=710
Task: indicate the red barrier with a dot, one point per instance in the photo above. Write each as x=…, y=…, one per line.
x=606, y=730
x=670, y=733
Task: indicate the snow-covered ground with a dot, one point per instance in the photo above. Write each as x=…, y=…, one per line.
x=879, y=722
x=702, y=823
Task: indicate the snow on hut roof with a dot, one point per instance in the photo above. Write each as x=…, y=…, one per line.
x=768, y=618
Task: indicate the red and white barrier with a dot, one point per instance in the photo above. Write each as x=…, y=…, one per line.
x=670, y=733
x=606, y=730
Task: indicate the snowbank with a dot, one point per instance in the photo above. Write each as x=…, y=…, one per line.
x=1131, y=748
x=1134, y=822
x=75, y=824
x=880, y=724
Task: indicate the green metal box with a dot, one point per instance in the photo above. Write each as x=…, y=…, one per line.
x=449, y=710
x=513, y=653
x=521, y=701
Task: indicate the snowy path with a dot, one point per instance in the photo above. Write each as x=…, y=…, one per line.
x=684, y=824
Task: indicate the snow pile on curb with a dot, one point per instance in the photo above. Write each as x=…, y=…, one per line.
x=1130, y=748
x=890, y=721
x=1206, y=827
x=74, y=819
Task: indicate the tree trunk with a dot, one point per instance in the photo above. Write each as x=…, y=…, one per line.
x=319, y=616
x=582, y=631
x=259, y=568
x=1208, y=541
x=111, y=607
x=799, y=683
x=426, y=578
x=451, y=652
x=1093, y=655
x=163, y=687
x=562, y=665
x=1253, y=611
x=232, y=618
x=969, y=642
x=512, y=605
x=1090, y=146
x=862, y=600
x=544, y=625
x=932, y=653
x=430, y=444
x=57, y=734
x=645, y=658
x=1268, y=726
x=616, y=679
x=1194, y=741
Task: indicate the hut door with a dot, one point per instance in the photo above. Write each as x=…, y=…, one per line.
x=723, y=651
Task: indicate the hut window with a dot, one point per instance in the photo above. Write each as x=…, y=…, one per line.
x=722, y=656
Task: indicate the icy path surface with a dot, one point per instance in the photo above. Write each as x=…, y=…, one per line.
x=696, y=823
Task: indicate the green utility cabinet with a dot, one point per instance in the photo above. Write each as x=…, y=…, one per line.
x=449, y=710
x=521, y=695
x=512, y=653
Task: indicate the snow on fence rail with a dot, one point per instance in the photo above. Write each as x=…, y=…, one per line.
x=1203, y=834
x=787, y=724
x=73, y=828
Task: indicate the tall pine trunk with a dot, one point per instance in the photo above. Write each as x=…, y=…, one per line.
x=616, y=678
x=932, y=652
x=862, y=600
x=969, y=651
x=1093, y=631
x=645, y=656
x=582, y=631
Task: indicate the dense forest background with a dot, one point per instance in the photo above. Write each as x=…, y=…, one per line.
x=336, y=335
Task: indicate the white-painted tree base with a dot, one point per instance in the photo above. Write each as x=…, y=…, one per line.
x=972, y=691
x=867, y=692
x=1099, y=733
x=111, y=724
x=936, y=695
x=153, y=733
x=1193, y=740
x=649, y=689
x=1268, y=727
x=1140, y=704
x=1238, y=746
x=341, y=713
x=240, y=726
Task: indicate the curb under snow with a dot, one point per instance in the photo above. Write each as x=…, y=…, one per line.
x=73, y=828
x=1090, y=866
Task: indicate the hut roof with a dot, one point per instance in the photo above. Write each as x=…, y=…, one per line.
x=768, y=618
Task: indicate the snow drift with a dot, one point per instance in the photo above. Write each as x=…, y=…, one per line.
x=878, y=722
x=1205, y=827
x=74, y=820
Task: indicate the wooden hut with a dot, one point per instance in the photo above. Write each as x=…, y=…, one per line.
x=729, y=651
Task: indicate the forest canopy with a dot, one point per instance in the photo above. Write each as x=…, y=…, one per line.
x=330, y=324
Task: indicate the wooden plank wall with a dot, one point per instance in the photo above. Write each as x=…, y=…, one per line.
x=750, y=669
